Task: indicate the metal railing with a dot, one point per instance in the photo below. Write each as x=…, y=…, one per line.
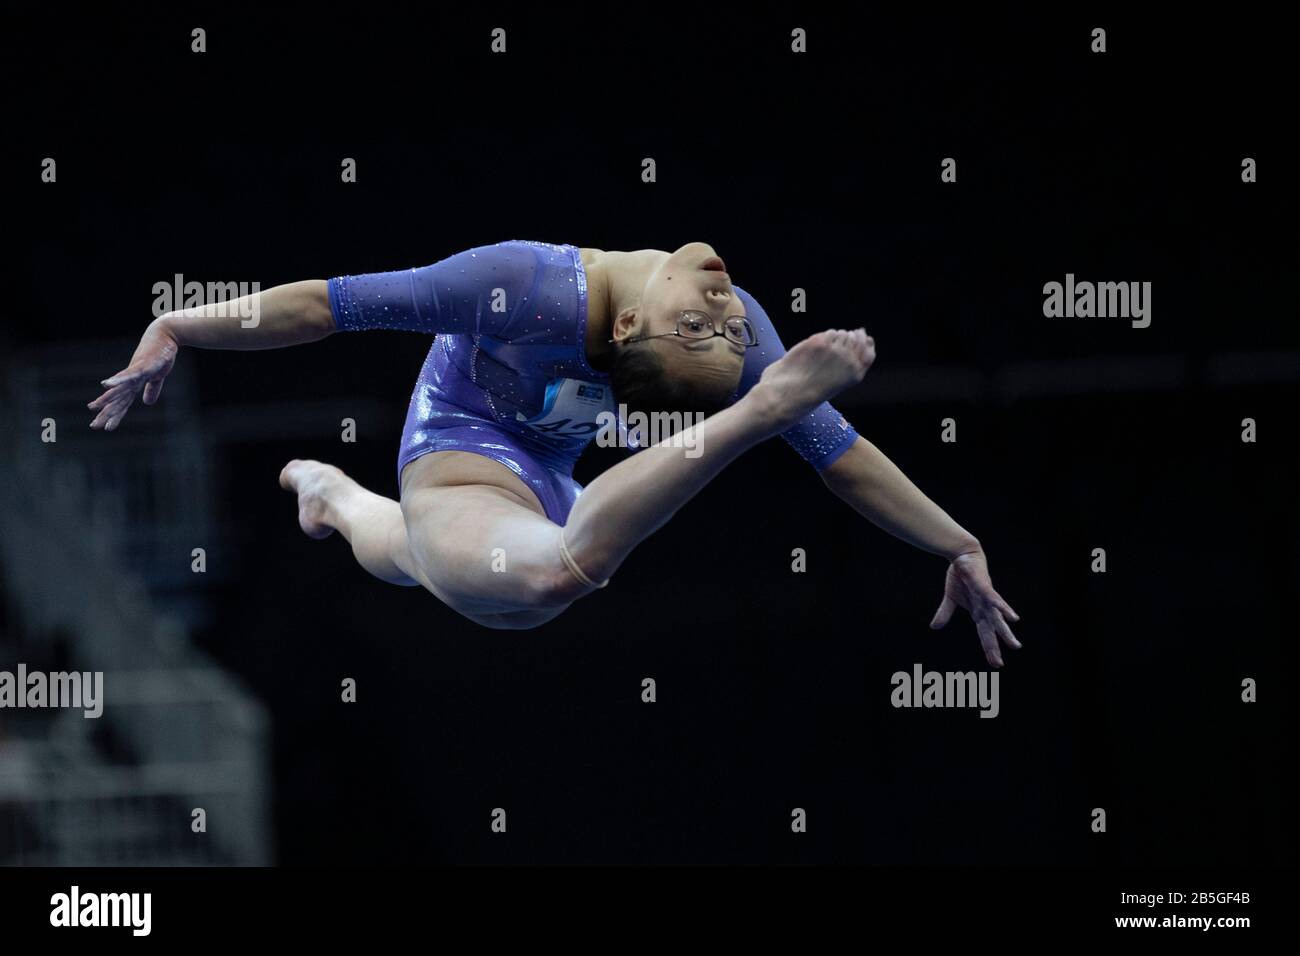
x=81, y=526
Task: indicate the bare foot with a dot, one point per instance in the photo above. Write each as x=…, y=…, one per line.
x=816, y=369
x=318, y=487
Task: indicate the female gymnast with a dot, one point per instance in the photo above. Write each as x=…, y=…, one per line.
x=533, y=345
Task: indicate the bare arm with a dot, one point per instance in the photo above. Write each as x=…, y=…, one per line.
x=284, y=315
x=875, y=487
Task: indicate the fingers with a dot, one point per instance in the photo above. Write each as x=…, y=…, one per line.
x=989, y=641
x=1003, y=629
x=944, y=614
x=125, y=377
x=987, y=609
x=111, y=415
x=112, y=406
x=107, y=406
x=111, y=395
x=1003, y=606
x=977, y=576
x=122, y=389
x=975, y=571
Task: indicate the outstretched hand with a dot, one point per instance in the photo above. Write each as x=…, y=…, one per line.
x=969, y=586
x=150, y=365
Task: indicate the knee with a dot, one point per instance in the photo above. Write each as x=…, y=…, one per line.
x=531, y=590
x=553, y=586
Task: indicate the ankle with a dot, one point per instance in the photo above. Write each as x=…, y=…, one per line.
x=766, y=410
x=345, y=506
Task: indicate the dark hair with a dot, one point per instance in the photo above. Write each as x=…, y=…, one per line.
x=642, y=383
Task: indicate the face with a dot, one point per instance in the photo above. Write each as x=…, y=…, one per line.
x=692, y=277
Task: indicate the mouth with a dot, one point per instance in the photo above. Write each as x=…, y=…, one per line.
x=714, y=264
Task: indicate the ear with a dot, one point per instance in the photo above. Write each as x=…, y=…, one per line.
x=626, y=324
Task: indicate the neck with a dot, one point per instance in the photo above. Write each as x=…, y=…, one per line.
x=618, y=279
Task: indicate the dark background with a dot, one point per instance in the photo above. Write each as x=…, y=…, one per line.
x=821, y=172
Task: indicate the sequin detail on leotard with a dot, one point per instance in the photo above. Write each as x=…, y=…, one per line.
x=509, y=322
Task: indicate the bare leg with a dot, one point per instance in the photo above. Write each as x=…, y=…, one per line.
x=329, y=501
x=461, y=509
x=464, y=504
x=476, y=537
x=627, y=503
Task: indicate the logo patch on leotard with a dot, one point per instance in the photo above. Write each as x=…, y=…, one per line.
x=569, y=411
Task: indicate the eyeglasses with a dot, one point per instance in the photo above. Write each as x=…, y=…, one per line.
x=692, y=324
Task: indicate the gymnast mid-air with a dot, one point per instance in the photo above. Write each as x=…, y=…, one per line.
x=535, y=345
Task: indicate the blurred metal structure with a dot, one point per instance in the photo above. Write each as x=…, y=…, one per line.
x=84, y=524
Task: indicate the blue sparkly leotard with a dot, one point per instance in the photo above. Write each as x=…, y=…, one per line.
x=507, y=375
